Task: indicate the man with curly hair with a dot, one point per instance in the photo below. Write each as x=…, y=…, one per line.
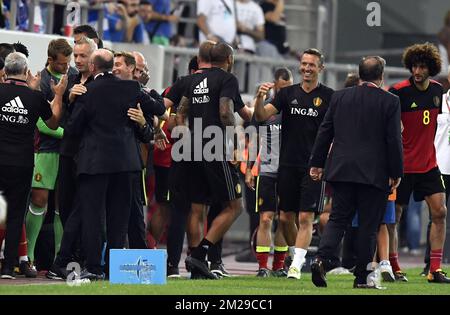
x=421, y=101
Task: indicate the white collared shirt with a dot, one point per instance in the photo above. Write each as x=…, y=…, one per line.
x=442, y=139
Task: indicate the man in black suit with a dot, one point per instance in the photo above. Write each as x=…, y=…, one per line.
x=365, y=163
x=108, y=158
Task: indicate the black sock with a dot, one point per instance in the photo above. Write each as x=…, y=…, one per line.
x=214, y=254
x=200, y=251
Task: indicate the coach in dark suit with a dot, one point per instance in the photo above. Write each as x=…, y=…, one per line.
x=108, y=158
x=365, y=163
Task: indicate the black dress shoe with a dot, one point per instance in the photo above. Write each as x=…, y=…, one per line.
x=318, y=273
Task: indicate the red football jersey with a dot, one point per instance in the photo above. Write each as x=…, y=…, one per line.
x=419, y=117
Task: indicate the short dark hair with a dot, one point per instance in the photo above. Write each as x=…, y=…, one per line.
x=90, y=33
x=315, y=52
x=220, y=52
x=127, y=57
x=204, y=51
x=282, y=73
x=371, y=68
x=6, y=49
x=427, y=54
x=103, y=64
x=2, y=63
x=193, y=64
x=351, y=80
x=21, y=48
x=59, y=46
x=86, y=29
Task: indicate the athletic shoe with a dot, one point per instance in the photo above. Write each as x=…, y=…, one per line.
x=318, y=273
x=173, y=272
x=8, y=273
x=86, y=274
x=27, y=269
x=294, y=273
x=400, y=276
x=386, y=271
x=219, y=270
x=199, y=267
x=438, y=277
x=56, y=273
x=280, y=273
x=263, y=273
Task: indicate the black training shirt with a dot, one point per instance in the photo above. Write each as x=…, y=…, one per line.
x=20, y=109
x=302, y=114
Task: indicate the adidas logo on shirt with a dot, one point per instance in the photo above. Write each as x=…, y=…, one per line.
x=202, y=87
x=294, y=102
x=15, y=106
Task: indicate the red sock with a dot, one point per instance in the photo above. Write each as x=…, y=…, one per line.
x=262, y=259
x=278, y=260
x=393, y=259
x=435, y=260
x=23, y=245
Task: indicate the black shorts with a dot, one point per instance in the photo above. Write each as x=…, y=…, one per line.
x=297, y=191
x=266, y=194
x=161, y=183
x=215, y=180
x=421, y=185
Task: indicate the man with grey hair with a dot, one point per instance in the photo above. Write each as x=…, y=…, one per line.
x=106, y=172
x=21, y=106
x=82, y=52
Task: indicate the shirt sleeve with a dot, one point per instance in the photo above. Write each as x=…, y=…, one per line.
x=230, y=88
x=260, y=20
x=278, y=100
x=176, y=92
x=203, y=7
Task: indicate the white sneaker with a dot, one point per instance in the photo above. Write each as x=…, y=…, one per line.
x=386, y=271
x=294, y=273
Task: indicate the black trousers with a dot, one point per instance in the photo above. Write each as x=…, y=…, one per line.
x=67, y=183
x=107, y=196
x=15, y=182
x=71, y=240
x=179, y=211
x=371, y=205
x=136, y=225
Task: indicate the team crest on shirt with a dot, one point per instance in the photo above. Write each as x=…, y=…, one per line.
x=317, y=101
x=238, y=188
x=437, y=101
x=38, y=177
